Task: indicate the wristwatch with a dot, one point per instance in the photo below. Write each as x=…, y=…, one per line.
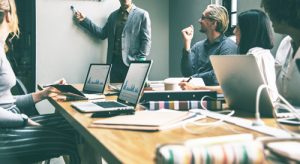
x=25, y=119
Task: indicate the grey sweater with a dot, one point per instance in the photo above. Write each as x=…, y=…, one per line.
x=10, y=106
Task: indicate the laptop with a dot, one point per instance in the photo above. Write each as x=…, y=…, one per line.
x=130, y=91
x=94, y=84
x=239, y=78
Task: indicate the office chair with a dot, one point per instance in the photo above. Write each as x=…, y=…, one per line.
x=20, y=89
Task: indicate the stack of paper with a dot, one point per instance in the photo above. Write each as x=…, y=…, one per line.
x=148, y=120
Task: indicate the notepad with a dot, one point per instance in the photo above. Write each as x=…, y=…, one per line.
x=148, y=120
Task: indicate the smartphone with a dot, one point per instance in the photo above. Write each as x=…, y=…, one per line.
x=73, y=9
x=289, y=121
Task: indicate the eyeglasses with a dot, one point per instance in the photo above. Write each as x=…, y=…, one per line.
x=206, y=17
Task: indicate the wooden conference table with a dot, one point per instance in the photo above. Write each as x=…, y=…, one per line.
x=123, y=146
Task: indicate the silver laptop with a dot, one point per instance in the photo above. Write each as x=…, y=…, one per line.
x=239, y=77
x=129, y=94
x=94, y=84
x=96, y=78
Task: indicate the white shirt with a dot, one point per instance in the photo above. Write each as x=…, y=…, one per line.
x=266, y=65
x=288, y=76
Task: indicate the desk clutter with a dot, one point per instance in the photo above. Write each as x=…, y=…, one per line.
x=213, y=150
x=182, y=105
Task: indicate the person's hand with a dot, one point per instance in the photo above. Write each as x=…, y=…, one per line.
x=32, y=123
x=187, y=86
x=79, y=16
x=188, y=34
x=61, y=81
x=45, y=93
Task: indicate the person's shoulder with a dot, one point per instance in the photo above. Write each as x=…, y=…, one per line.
x=139, y=10
x=229, y=42
x=199, y=43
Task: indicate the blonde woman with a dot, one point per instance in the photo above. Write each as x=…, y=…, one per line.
x=24, y=139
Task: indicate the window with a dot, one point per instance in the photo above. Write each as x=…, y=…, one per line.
x=231, y=6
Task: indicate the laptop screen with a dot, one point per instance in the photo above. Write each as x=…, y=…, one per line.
x=96, y=78
x=134, y=82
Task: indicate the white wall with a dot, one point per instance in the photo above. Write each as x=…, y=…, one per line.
x=63, y=49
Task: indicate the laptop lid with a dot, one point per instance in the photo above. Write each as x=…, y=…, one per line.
x=240, y=77
x=134, y=82
x=96, y=78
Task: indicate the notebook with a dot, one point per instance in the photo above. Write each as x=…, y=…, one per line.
x=240, y=77
x=130, y=91
x=94, y=84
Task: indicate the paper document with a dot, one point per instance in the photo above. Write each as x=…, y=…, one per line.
x=148, y=120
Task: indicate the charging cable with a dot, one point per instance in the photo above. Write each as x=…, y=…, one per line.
x=286, y=105
x=209, y=124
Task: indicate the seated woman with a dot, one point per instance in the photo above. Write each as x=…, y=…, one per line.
x=254, y=37
x=23, y=139
x=286, y=22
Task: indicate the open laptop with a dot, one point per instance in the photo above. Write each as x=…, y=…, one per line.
x=129, y=94
x=240, y=77
x=94, y=84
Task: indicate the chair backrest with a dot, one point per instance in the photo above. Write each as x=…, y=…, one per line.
x=19, y=88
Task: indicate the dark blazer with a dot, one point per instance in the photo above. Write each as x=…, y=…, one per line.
x=136, y=36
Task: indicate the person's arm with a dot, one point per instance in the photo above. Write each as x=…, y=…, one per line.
x=188, y=86
x=187, y=62
x=10, y=120
x=145, y=37
x=208, y=77
x=85, y=22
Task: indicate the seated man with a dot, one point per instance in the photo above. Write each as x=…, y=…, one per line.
x=195, y=61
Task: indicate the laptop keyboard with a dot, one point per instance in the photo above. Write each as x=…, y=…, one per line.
x=109, y=104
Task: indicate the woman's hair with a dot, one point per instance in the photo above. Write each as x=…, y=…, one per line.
x=219, y=14
x=9, y=6
x=255, y=29
x=287, y=11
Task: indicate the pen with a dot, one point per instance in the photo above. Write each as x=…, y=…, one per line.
x=190, y=78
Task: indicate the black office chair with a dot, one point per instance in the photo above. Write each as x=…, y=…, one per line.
x=20, y=89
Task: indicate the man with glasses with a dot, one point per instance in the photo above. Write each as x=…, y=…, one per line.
x=195, y=61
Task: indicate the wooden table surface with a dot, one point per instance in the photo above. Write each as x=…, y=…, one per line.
x=124, y=146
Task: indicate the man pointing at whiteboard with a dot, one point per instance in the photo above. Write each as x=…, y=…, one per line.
x=128, y=30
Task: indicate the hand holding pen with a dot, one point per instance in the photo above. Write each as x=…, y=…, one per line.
x=77, y=14
x=185, y=85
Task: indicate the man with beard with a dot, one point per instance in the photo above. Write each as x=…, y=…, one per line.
x=128, y=30
x=195, y=61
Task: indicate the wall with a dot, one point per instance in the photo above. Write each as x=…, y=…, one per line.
x=63, y=49
x=159, y=15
